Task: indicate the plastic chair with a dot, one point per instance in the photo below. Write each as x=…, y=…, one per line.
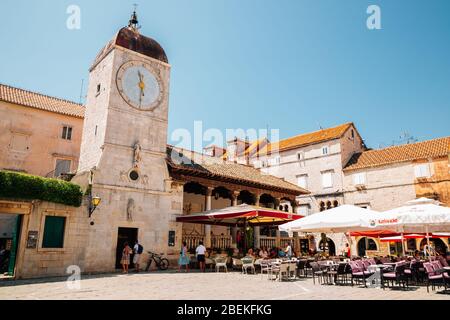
x=221, y=262
x=248, y=263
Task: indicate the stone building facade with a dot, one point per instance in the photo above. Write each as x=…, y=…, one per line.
x=39, y=135
x=388, y=178
x=314, y=161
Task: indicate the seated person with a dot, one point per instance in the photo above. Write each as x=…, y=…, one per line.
x=281, y=253
x=250, y=253
x=417, y=255
x=273, y=253
x=263, y=254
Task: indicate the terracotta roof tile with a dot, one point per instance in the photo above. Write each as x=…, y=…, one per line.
x=307, y=139
x=409, y=152
x=209, y=166
x=40, y=101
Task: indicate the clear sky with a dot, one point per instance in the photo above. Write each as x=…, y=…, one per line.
x=294, y=65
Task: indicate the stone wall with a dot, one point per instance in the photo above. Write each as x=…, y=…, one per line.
x=41, y=262
x=386, y=187
x=31, y=139
x=438, y=185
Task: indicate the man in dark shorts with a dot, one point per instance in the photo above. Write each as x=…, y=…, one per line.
x=201, y=256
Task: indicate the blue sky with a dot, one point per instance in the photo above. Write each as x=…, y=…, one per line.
x=291, y=64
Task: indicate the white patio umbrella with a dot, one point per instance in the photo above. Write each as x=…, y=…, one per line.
x=346, y=218
x=417, y=216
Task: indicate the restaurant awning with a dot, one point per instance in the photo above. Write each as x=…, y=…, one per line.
x=240, y=216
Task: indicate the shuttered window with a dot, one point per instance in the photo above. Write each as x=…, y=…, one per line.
x=359, y=179
x=422, y=170
x=327, y=179
x=54, y=232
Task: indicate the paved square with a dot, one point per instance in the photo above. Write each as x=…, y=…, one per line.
x=199, y=286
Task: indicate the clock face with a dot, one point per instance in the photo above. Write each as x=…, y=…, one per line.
x=139, y=86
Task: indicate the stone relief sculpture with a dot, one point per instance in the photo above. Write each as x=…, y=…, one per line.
x=145, y=180
x=130, y=209
x=137, y=155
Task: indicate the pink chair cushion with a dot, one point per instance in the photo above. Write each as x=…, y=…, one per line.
x=389, y=275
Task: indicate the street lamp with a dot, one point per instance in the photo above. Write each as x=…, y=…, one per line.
x=93, y=204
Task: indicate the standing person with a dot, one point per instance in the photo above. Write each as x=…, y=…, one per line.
x=137, y=250
x=288, y=250
x=201, y=255
x=349, y=252
x=183, y=260
x=126, y=252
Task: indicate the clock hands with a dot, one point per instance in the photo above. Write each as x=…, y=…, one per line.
x=141, y=85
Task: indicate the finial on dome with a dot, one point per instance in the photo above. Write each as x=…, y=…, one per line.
x=134, y=22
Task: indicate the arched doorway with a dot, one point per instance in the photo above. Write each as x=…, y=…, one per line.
x=328, y=247
x=365, y=244
x=437, y=244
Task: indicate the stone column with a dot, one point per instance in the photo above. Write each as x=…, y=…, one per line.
x=297, y=243
x=276, y=203
x=278, y=241
x=234, y=203
x=294, y=205
x=257, y=230
x=208, y=206
x=257, y=199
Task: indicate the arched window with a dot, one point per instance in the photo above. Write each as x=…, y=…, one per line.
x=322, y=206
x=336, y=203
x=329, y=205
x=366, y=244
x=286, y=208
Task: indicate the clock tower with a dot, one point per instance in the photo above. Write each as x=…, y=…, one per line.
x=124, y=150
x=125, y=129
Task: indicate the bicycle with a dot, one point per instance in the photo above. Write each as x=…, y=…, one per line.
x=161, y=263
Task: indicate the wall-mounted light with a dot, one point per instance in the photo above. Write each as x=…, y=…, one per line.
x=94, y=202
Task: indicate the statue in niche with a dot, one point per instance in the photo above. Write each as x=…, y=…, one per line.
x=130, y=209
x=145, y=180
x=137, y=155
x=123, y=176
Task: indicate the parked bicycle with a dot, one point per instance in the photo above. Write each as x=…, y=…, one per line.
x=161, y=263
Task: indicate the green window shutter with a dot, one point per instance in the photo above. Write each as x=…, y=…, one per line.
x=54, y=232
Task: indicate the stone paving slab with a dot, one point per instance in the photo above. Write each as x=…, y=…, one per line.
x=199, y=286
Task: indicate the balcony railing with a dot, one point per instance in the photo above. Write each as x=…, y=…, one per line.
x=268, y=242
x=225, y=242
x=192, y=241
x=221, y=242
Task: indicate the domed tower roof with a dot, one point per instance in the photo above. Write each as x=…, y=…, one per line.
x=130, y=38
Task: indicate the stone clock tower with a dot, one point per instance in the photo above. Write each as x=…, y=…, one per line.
x=123, y=150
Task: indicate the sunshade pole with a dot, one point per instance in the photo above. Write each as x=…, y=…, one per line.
x=428, y=251
x=245, y=236
x=403, y=245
